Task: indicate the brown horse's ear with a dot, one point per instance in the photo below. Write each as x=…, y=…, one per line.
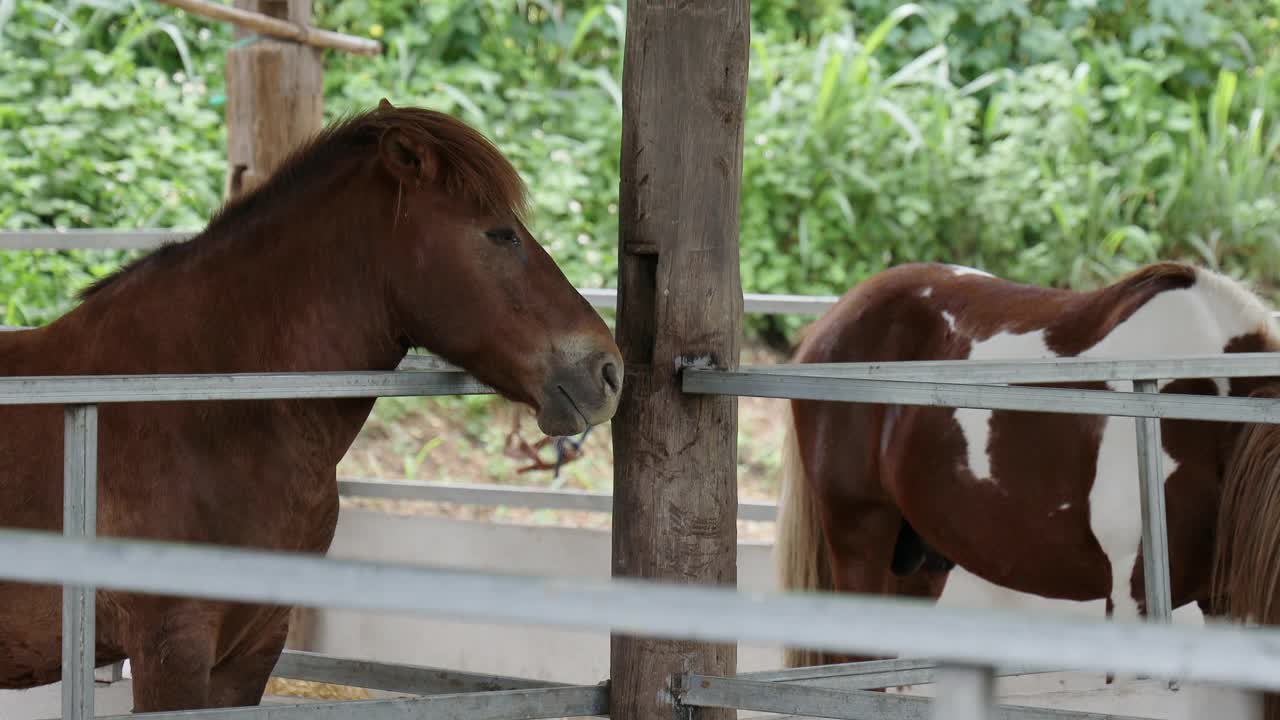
x=385, y=104
x=410, y=161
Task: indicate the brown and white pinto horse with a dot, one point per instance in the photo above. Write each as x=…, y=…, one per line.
x=396, y=228
x=888, y=499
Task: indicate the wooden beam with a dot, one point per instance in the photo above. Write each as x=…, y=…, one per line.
x=679, y=304
x=275, y=97
x=266, y=24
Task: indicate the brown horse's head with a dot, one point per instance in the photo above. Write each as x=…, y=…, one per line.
x=469, y=282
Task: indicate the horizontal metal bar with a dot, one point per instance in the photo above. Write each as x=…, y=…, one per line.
x=1040, y=370
x=717, y=692
x=770, y=304
x=260, y=386
x=753, y=303
x=395, y=677
x=1224, y=654
x=78, y=239
x=991, y=397
x=530, y=704
x=600, y=298
x=876, y=674
x=241, y=386
x=495, y=495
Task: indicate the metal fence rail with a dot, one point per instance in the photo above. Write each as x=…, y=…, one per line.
x=967, y=639
x=797, y=385
x=90, y=239
x=241, y=386
x=554, y=702
x=1230, y=655
x=877, y=674
x=709, y=691
x=1063, y=370
x=496, y=495
x=395, y=677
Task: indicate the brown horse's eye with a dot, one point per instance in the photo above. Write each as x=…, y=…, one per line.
x=505, y=236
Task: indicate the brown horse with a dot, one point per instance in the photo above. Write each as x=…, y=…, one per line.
x=888, y=499
x=396, y=228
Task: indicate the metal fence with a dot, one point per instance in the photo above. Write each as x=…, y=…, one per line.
x=970, y=644
x=975, y=641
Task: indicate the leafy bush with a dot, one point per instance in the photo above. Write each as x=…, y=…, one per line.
x=97, y=130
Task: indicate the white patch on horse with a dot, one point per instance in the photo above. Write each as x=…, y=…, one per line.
x=962, y=270
x=975, y=425
x=1195, y=321
x=1115, y=508
x=926, y=292
x=951, y=320
x=1198, y=320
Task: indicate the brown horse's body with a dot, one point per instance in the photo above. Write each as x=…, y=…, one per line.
x=397, y=228
x=887, y=499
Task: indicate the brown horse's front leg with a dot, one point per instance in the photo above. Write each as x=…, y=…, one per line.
x=240, y=681
x=171, y=656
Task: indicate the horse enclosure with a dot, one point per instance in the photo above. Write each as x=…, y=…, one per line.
x=674, y=511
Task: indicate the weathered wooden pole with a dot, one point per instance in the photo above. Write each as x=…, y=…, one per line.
x=679, y=303
x=275, y=96
x=275, y=102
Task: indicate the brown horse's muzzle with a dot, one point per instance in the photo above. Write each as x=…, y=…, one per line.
x=580, y=393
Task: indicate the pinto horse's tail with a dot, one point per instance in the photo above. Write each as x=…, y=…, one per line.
x=1246, y=565
x=800, y=552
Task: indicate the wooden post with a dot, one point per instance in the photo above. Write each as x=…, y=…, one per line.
x=275, y=102
x=275, y=96
x=679, y=304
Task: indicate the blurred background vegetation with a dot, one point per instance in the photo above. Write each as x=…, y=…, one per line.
x=1058, y=142
x=1051, y=141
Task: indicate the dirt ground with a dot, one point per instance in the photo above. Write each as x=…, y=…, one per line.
x=469, y=440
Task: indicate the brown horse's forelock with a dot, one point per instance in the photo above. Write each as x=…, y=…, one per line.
x=468, y=167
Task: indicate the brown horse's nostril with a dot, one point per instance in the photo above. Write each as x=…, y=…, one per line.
x=610, y=372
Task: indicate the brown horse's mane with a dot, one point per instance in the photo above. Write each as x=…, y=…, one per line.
x=467, y=166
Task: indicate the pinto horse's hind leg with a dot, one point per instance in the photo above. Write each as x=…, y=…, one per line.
x=866, y=557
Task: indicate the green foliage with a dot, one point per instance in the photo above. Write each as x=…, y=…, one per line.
x=98, y=129
x=1052, y=141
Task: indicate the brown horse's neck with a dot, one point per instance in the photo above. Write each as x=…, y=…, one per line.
x=292, y=287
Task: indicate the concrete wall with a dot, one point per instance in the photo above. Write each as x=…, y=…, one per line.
x=542, y=653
